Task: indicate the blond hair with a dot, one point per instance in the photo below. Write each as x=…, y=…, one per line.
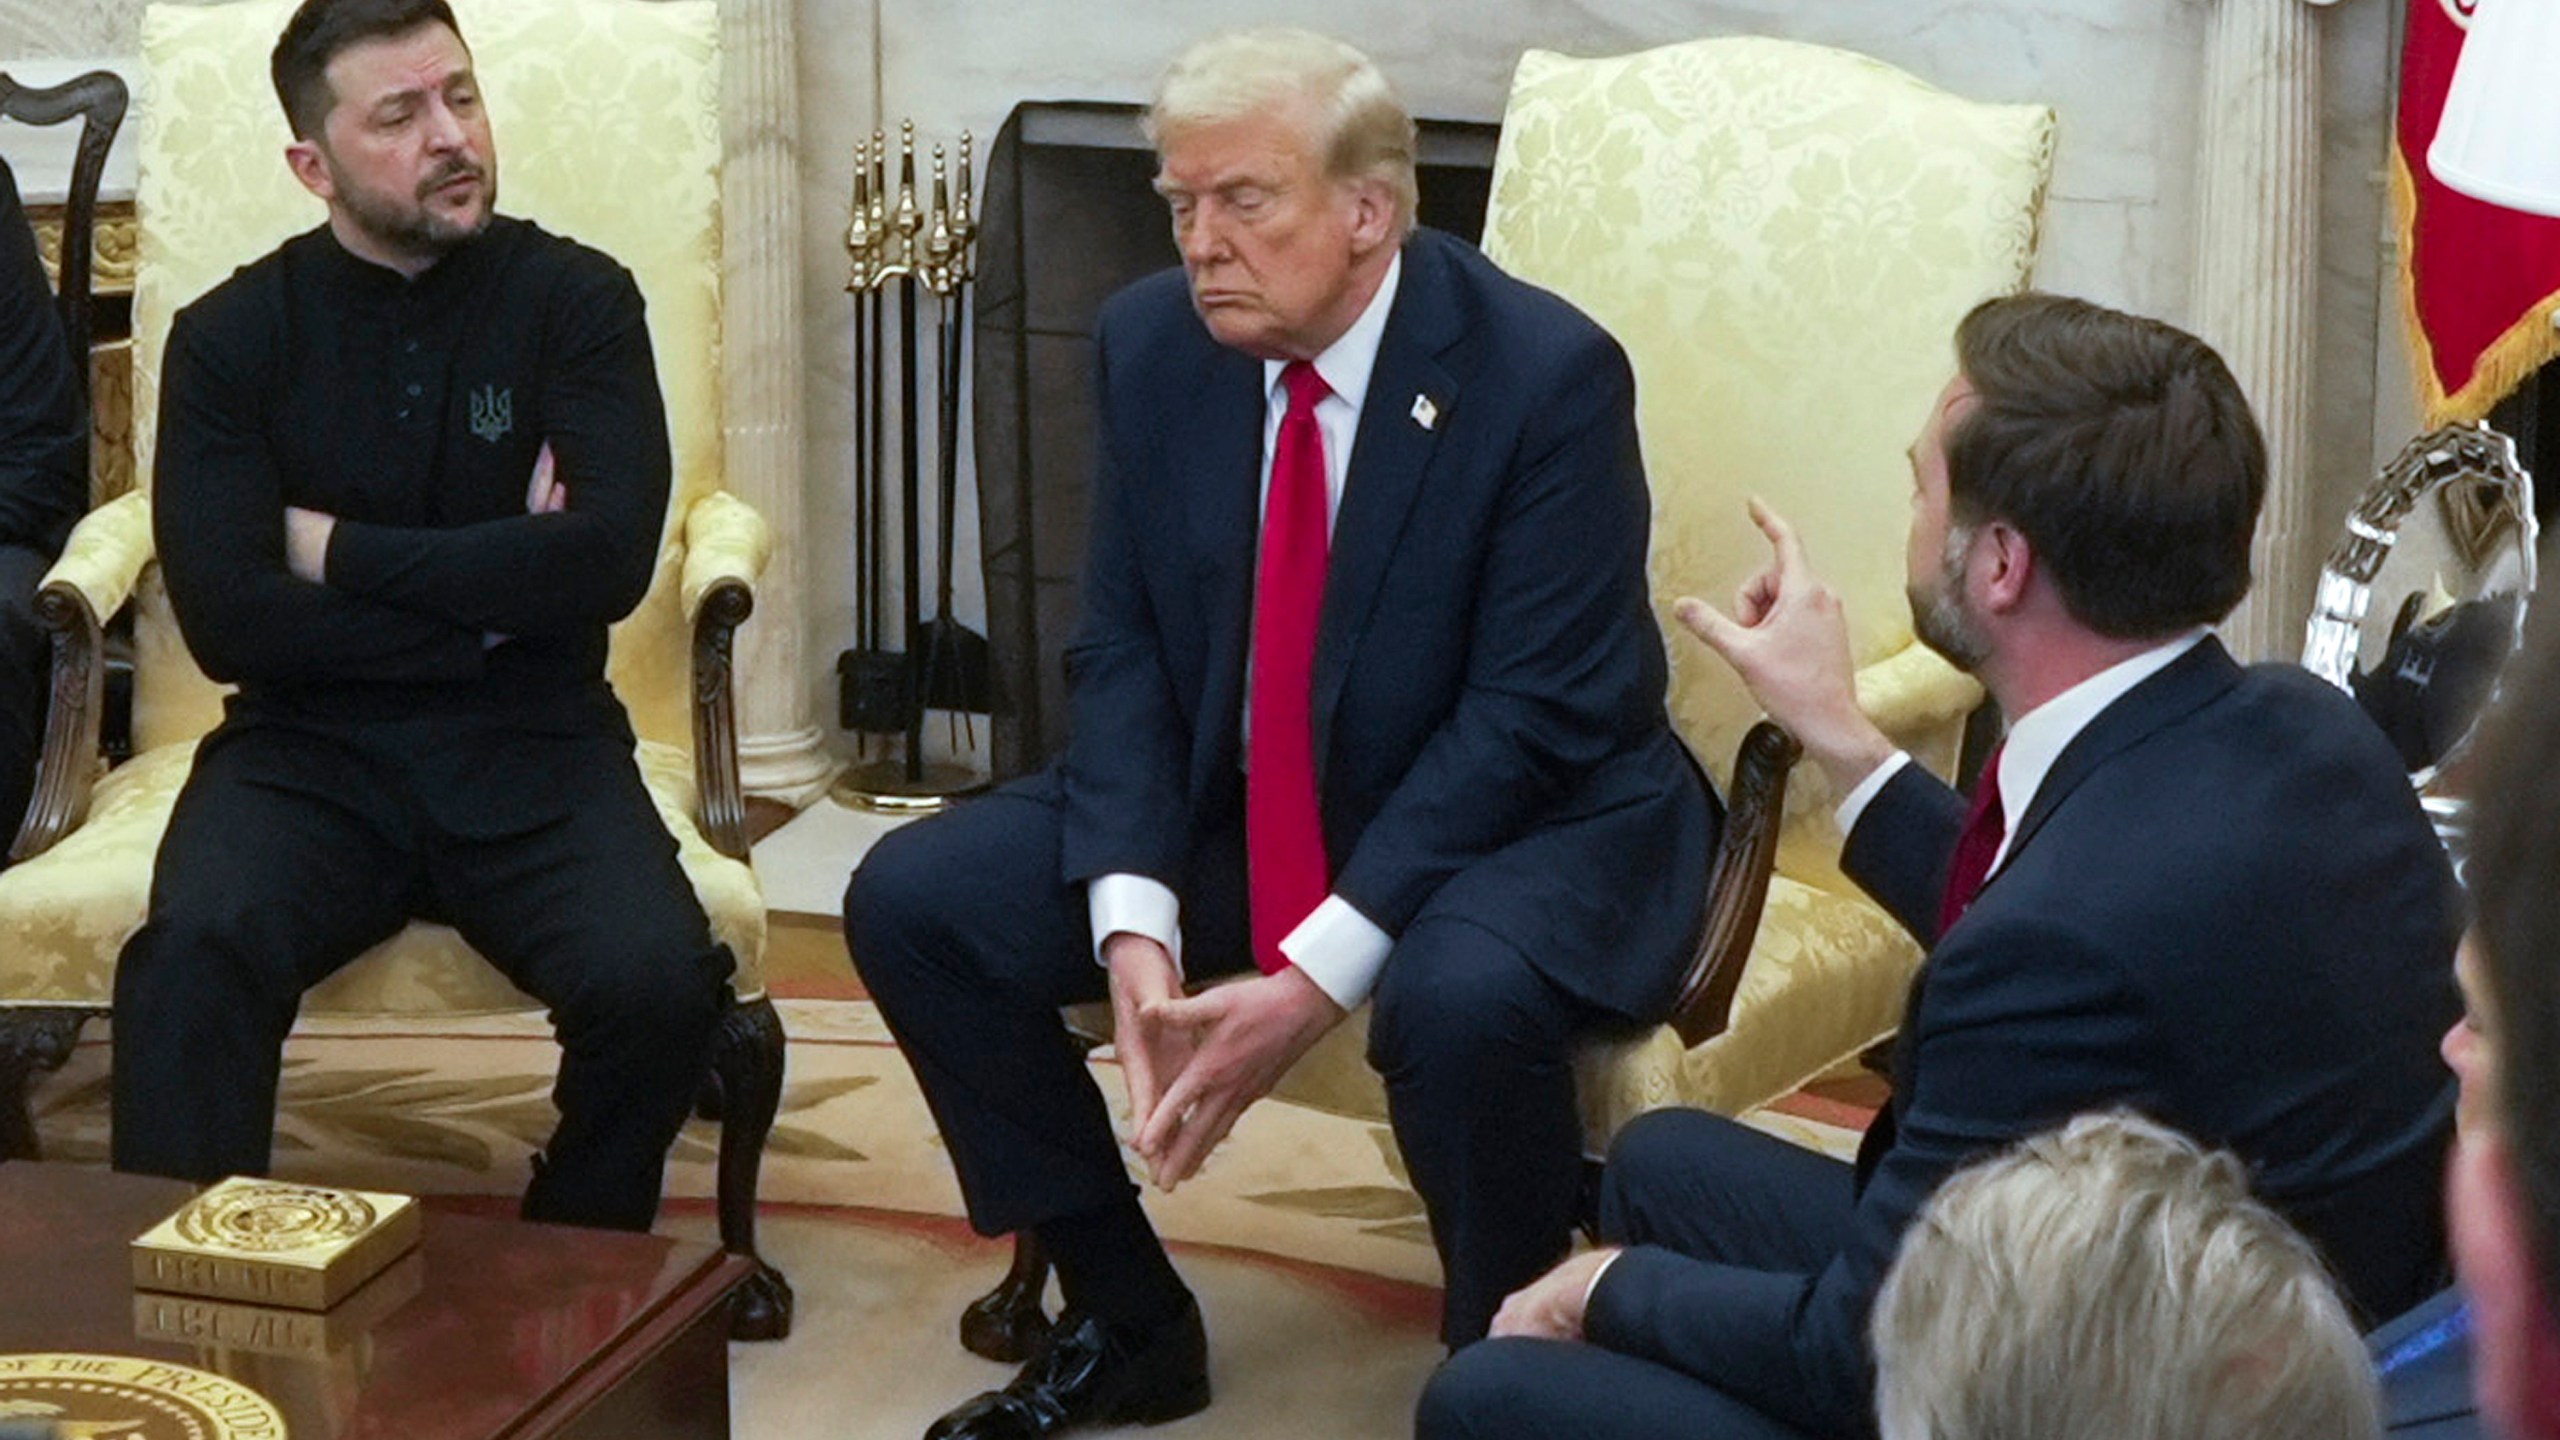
x=2113, y=1281
x=1356, y=123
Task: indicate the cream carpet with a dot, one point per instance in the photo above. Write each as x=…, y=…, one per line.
x=1302, y=1236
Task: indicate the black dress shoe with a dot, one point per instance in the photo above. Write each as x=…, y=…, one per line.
x=1093, y=1372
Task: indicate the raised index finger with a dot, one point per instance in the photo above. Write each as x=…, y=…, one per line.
x=1782, y=537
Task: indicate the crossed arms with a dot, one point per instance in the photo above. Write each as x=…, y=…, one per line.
x=396, y=603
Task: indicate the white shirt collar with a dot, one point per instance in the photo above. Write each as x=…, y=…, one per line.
x=2038, y=738
x=1346, y=363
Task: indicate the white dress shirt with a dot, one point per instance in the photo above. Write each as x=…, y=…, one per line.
x=1336, y=946
x=2037, y=738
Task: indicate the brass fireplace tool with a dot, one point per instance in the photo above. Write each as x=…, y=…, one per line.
x=903, y=250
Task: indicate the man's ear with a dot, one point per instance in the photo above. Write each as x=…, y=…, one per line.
x=2008, y=567
x=1373, y=215
x=309, y=166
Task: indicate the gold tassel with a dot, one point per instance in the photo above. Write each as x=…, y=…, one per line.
x=2512, y=359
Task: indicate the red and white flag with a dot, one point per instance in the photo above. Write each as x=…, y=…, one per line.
x=2479, y=284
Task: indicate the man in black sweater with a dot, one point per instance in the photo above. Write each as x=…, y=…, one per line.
x=411, y=465
x=43, y=488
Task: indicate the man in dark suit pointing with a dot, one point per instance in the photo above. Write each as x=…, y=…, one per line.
x=2199, y=892
x=1368, y=698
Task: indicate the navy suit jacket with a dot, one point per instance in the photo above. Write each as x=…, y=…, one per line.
x=1490, y=734
x=2223, y=909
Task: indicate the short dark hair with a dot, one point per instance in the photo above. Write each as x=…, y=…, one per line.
x=2515, y=920
x=319, y=30
x=2121, y=448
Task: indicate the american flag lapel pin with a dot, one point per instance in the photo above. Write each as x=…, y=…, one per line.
x=1425, y=414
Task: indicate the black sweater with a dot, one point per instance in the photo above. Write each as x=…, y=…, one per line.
x=413, y=410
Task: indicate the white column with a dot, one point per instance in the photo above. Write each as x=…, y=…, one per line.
x=2257, y=269
x=781, y=754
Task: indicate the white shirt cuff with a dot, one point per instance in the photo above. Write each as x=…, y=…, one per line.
x=1594, y=1287
x=1857, y=800
x=1340, y=949
x=1136, y=905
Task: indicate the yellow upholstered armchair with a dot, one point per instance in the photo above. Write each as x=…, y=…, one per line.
x=608, y=125
x=1783, y=237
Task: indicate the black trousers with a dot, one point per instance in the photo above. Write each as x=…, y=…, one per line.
x=1687, y=1181
x=26, y=668
x=970, y=942
x=290, y=852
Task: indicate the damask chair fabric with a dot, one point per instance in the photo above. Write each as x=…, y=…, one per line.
x=1783, y=237
x=607, y=124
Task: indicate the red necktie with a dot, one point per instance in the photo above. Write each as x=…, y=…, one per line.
x=1284, y=841
x=1984, y=826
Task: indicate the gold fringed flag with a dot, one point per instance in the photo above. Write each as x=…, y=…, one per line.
x=2479, y=284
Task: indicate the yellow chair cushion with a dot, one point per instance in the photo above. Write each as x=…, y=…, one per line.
x=106, y=553
x=1812, y=997
x=69, y=911
x=1827, y=979
x=1783, y=236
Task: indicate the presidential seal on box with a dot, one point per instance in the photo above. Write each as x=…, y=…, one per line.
x=132, y=1399
x=269, y=1242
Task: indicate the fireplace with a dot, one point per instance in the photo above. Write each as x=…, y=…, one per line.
x=1067, y=218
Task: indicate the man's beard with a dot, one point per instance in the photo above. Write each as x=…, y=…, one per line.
x=415, y=227
x=1938, y=614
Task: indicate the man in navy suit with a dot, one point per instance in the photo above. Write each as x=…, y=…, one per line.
x=1368, y=698
x=2199, y=892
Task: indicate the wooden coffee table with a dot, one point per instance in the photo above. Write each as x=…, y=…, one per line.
x=492, y=1327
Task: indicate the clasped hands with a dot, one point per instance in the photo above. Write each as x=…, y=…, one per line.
x=1194, y=1064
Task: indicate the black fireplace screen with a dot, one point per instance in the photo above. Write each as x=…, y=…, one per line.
x=1068, y=216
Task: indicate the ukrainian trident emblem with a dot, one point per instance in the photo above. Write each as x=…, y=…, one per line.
x=493, y=412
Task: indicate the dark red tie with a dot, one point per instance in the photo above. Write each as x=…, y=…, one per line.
x=1984, y=826
x=1284, y=840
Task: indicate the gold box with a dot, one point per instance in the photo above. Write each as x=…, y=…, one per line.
x=269, y=1242
x=270, y=1330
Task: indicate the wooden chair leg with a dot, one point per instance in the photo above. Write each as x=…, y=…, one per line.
x=1007, y=1322
x=746, y=1066
x=34, y=1040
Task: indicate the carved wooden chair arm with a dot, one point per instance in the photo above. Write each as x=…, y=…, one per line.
x=68, y=764
x=723, y=812
x=726, y=545
x=95, y=576
x=1737, y=882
